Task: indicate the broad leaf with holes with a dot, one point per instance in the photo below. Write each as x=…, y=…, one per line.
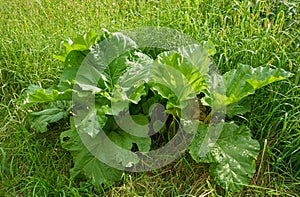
x=232, y=157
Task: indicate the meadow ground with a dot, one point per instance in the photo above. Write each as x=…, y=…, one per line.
x=251, y=32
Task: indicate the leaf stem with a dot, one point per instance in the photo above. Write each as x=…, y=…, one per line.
x=207, y=119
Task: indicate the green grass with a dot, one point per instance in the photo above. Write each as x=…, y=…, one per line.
x=251, y=32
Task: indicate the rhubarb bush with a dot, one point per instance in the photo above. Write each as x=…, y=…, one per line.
x=123, y=104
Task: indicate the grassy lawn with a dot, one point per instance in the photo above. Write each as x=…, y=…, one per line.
x=258, y=33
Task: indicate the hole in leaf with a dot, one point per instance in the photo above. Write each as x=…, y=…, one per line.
x=135, y=147
x=65, y=139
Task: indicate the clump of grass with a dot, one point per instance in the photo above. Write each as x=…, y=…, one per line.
x=278, y=123
x=183, y=176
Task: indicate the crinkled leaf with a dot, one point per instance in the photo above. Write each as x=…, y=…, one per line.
x=108, y=58
x=262, y=76
x=82, y=43
x=196, y=58
x=91, y=121
x=124, y=132
x=192, y=61
x=136, y=95
x=136, y=125
x=35, y=94
x=85, y=162
x=171, y=84
x=165, y=93
x=130, y=86
x=105, y=64
x=72, y=64
x=244, y=80
x=235, y=109
x=113, y=147
x=125, y=140
x=180, y=75
x=232, y=157
x=53, y=113
x=121, y=148
x=115, y=69
x=138, y=72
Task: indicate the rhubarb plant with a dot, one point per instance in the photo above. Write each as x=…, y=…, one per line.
x=131, y=104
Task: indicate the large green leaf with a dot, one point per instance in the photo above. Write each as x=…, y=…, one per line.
x=106, y=62
x=54, y=112
x=125, y=140
x=85, y=162
x=91, y=121
x=72, y=64
x=113, y=147
x=130, y=86
x=192, y=62
x=82, y=43
x=123, y=137
x=238, y=108
x=179, y=76
x=115, y=72
x=138, y=72
x=116, y=144
x=102, y=68
x=35, y=94
x=232, y=157
x=171, y=84
x=244, y=80
x=136, y=125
